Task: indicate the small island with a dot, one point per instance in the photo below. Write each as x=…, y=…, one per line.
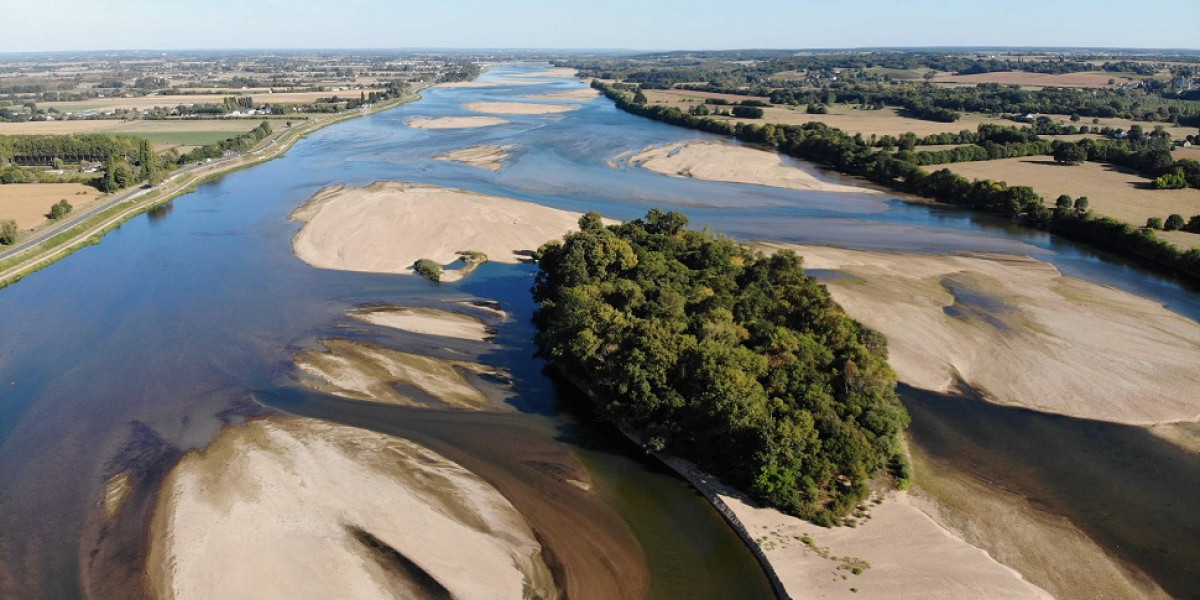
x=724, y=356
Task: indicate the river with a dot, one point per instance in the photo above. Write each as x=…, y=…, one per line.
x=145, y=345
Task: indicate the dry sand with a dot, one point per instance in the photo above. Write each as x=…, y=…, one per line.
x=1022, y=334
x=486, y=84
x=579, y=94
x=491, y=158
x=295, y=509
x=386, y=227
x=518, y=108
x=556, y=72
x=369, y=372
x=427, y=321
x=738, y=164
x=454, y=122
x=902, y=553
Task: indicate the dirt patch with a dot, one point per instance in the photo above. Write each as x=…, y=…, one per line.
x=28, y=203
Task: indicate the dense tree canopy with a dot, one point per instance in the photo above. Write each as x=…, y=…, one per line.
x=735, y=360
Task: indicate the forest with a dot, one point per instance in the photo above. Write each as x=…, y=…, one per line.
x=735, y=360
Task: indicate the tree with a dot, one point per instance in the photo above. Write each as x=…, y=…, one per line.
x=640, y=98
x=8, y=232
x=1155, y=223
x=1063, y=205
x=1070, y=154
x=747, y=112
x=1081, y=204
x=60, y=209
x=1175, y=180
x=428, y=269
x=1193, y=224
x=1173, y=223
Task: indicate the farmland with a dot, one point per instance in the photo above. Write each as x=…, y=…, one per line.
x=28, y=203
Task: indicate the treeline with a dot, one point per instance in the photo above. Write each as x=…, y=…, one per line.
x=239, y=143
x=737, y=361
x=818, y=142
x=42, y=150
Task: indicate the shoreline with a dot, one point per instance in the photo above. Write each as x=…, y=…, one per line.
x=65, y=242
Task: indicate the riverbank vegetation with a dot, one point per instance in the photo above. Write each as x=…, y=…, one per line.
x=855, y=155
x=729, y=358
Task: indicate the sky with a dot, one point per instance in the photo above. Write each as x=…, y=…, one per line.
x=52, y=25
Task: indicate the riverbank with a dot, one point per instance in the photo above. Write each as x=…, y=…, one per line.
x=76, y=235
x=1080, y=349
x=387, y=226
x=321, y=501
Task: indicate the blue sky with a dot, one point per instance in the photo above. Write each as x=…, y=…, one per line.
x=27, y=25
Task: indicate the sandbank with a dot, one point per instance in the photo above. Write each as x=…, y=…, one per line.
x=714, y=161
x=454, y=122
x=579, y=94
x=1020, y=333
x=518, y=108
x=551, y=72
x=427, y=321
x=298, y=509
x=368, y=372
x=899, y=551
x=386, y=227
x=486, y=84
x=491, y=158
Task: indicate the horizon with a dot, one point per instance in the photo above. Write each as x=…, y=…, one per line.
x=618, y=26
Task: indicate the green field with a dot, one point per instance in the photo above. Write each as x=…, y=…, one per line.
x=183, y=138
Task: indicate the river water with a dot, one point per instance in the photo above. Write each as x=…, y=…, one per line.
x=159, y=335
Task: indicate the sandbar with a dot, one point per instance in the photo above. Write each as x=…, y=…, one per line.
x=386, y=227
x=550, y=72
x=518, y=108
x=427, y=321
x=369, y=372
x=714, y=161
x=491, y=158
x=1020, y=333
x=454, y=122
x=899, y=553
x=486, y=84
x=579, y=94
x=295, y=509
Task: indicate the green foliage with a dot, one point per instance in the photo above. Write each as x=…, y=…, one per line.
x=60, y=209
x=1173, y=223
x=428, y=269
x=747, y=112
x=8, y=232
x=1070, y=154
x=735, y=360
x=1175, y=180
x=472, y=258
x=1154, y=223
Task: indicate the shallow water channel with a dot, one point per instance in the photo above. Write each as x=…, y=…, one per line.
x=142, y=347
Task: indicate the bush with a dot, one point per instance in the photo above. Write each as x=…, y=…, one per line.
x=1193, y=224
x=428, y=269
x=1173, y=223
x=1070, y=154
x=8, y=232
x=60, y=209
